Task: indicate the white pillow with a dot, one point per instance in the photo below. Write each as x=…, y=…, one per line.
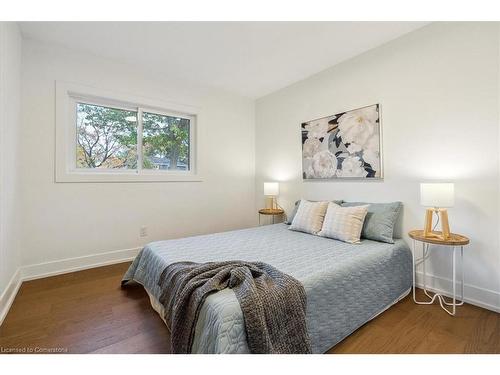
x=344, y=223
x=309, y=217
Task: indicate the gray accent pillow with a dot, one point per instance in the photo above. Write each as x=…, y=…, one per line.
x=289, y=219
x=380, y=220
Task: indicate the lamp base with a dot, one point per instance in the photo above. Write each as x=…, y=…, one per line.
x=445, y=226
x=271, y=202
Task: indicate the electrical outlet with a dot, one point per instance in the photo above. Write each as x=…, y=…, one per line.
x=143, y=232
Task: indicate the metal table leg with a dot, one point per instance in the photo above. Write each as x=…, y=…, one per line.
x=441, y=298
x=416, y=262
x=454, y=303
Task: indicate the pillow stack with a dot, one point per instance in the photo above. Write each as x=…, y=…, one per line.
x=346, y=221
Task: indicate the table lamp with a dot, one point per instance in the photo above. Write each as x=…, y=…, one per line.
x=437, y=197
x=271, y=191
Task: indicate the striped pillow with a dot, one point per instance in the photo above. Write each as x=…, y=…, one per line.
x=344, y=223
x=309, y=217
x=289, y=219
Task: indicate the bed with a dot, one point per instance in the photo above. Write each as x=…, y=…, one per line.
x=346, y=284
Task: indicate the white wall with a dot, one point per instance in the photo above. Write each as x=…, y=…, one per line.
x=67, y=220
x=438, y=90
x=10, y=92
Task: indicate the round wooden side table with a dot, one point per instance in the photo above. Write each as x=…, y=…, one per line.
x=271, y=211
x=455, y=241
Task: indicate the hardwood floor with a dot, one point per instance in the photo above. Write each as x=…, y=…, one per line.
x=410, y=328
x=88, y=312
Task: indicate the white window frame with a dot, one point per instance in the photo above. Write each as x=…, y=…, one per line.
x=67, y=97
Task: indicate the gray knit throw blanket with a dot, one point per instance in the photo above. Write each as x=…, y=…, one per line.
x=273, y=303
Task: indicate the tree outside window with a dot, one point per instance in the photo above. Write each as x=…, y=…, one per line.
x=107, y=139
x=165, y=142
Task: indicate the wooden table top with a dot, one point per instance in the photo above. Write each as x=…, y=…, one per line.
x=454, y=240
x=271, y=211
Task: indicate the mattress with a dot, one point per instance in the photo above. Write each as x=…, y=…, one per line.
x=346, y=284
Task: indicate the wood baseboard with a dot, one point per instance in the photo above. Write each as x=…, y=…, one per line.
x=57, y=267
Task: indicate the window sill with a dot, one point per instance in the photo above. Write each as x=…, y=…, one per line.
x=126, y=177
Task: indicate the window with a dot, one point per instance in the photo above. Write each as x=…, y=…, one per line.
x=108, y=137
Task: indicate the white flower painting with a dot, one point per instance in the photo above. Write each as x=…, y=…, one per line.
x=346, y=145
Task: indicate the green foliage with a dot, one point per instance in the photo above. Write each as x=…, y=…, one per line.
x=165, y=137
x=107, y=138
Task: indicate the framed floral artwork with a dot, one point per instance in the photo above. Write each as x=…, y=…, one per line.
x=345, y=145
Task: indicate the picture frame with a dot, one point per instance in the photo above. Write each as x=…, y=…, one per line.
x=346, y=145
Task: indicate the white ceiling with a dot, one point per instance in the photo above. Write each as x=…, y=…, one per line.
x=249, y=58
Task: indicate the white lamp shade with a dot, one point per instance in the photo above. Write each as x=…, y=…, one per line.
x=437, y=195
x=271, y=188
